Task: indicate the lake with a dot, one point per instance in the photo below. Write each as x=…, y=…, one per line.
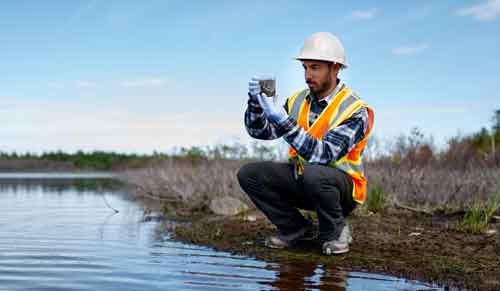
x=59, y=232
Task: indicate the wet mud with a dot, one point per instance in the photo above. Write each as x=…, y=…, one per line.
x=400, y=243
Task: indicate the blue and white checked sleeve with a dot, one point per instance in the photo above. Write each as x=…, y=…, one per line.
x=337, y=143
x=256, y=123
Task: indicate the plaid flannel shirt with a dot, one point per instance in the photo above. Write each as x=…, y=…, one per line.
x=337, y=142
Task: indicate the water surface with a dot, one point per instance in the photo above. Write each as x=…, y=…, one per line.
x=58, y=232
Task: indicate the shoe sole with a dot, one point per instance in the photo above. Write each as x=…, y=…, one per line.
x=275, y=246
x=337, y=252
x=308, y=235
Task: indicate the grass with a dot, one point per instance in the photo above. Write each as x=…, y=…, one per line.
x=375, y=199
x=477, y=218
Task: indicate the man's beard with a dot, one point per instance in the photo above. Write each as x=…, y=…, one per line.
x=321, y=88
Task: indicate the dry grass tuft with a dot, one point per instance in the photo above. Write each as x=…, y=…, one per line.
x=191, y=182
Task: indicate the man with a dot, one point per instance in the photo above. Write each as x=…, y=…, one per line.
x=327, y=127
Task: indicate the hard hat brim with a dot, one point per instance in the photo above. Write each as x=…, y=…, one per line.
x=299, y=58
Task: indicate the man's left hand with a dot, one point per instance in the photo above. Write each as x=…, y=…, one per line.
x=272, y=109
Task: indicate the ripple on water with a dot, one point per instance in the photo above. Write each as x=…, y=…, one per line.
x=66, y=238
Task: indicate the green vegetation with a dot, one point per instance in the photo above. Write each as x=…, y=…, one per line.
x=96, y=160
x=477, y=218
x=112, y=161
x=487, y=142
x=375, y=198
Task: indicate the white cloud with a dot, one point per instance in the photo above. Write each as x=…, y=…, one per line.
x=486, y=11
x=410, y=49
x=363, y=14
x=144, y=83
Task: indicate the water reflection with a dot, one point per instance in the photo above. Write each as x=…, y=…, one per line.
x=308, y=276
x=59, y=185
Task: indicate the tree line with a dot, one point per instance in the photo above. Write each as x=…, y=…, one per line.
x=416, y=146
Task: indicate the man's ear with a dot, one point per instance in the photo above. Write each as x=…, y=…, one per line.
x=335, y=67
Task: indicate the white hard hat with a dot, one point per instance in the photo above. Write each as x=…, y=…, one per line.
x=323, y=46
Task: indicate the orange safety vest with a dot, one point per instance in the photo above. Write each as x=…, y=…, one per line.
x=343, y=106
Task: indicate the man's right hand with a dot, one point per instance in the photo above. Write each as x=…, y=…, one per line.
x=254, y=88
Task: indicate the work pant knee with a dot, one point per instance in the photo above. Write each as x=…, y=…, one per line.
x=248, y=175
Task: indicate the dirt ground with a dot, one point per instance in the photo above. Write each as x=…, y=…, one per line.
x=399, y=243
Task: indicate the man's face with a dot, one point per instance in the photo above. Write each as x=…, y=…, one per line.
x=319, y=75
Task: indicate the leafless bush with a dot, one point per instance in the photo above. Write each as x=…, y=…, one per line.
x=427, y=182
x=410, y=172
x=434, y=186
x=192, y=182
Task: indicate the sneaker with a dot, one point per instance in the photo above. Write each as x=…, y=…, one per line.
x=280, y=241
x=340, y=245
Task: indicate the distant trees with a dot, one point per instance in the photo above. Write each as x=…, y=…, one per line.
x=96, y=160
x=256, y=150
x=496, y=121
x=101, y=160
x=413, y=149
x=495, y=135
x=486, y=141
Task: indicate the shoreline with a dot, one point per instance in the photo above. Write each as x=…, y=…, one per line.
x=399, y=243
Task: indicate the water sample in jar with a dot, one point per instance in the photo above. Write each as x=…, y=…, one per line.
x=267, y=84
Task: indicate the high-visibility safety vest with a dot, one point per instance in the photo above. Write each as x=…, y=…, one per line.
x=343, y=106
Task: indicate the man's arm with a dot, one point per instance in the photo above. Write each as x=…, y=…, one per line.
x=337, y=143
x=257, y=124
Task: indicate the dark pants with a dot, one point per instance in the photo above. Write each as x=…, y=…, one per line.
x=273, y=189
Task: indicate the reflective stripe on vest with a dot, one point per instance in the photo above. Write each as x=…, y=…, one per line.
x=295, y=102
x=343, y=106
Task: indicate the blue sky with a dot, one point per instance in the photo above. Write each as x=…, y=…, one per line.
x=136, y=76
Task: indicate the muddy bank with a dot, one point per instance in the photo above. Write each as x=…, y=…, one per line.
x=400, y=243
